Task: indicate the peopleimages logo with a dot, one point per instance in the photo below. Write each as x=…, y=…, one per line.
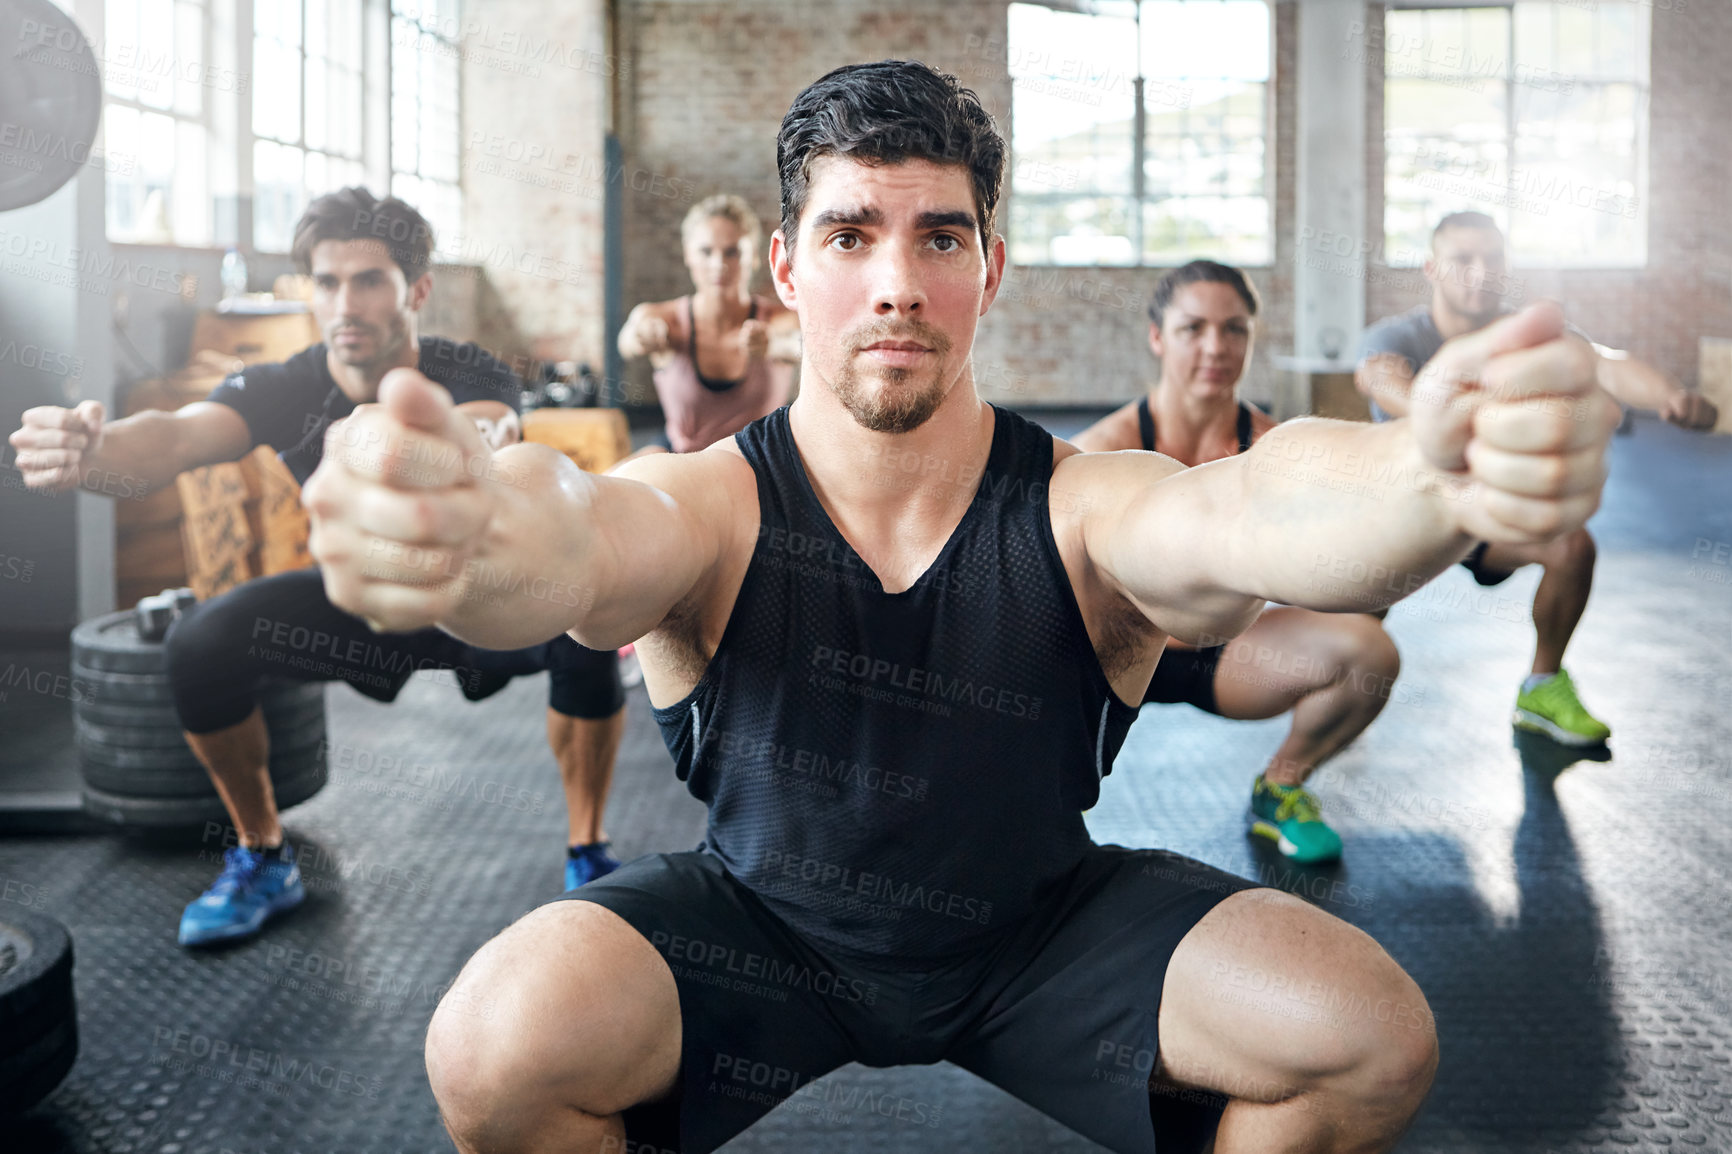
x=911, y=679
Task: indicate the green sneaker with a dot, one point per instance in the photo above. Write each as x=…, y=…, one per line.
x=1552, y=708
x=1287, y=815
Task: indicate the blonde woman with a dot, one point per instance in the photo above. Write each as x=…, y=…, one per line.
x=723, y=355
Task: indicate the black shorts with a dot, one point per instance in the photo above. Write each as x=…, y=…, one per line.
x=1475, y=563
x=1059, y=1010
x=1185, y=677
x=285, y=626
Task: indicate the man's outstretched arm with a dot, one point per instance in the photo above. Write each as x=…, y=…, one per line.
x=1506, y=444
x=415, y=522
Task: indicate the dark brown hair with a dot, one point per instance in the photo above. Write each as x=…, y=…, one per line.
x=1200, y=271
x=886, y=113
x=356, y=214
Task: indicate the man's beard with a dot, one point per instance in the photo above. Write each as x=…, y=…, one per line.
x=909, y=400
x=388, y=340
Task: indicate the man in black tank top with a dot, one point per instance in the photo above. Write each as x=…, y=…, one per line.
x=894, y=635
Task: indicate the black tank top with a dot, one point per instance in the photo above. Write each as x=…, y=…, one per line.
x=901, y=774
x=1146, y=422
x=711, y=383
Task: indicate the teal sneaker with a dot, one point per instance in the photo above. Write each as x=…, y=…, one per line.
x=1287, y=815
x=1552, y=708
x=250, y=890
x=585, y=863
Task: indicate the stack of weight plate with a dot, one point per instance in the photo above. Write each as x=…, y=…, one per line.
x=138, y=769
x=38, y=1021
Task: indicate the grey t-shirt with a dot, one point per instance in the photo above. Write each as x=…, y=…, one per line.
x=1412, y=335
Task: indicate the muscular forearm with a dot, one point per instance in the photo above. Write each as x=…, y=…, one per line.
x=1340, y=516
x=1385, y=384
x=149, y=449
x=1633, y=382
x=567, y=551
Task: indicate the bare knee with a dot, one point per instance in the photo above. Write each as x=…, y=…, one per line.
x=1369, y=646
x=1393, y=1044
x=567, y=1016
x=1573, y=553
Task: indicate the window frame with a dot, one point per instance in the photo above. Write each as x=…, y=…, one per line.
x=204, y=121
x=1138, y=198
x=376, y=156
x=447, y=239
x=1642, y=144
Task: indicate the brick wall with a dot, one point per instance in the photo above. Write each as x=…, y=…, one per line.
x=536, y=75
x=703, y=86
x=708, y=88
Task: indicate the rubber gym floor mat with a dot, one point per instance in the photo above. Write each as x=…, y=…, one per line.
x=1565, y=916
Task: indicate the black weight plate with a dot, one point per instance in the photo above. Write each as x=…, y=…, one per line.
x=35, y=964
x=30, y=1069
x=188, y=779
x=111, y=644
x=142, y=715
x=50, y=84
x=289, y=725
x=143, y=758
x=184, y=812
x=134, y=688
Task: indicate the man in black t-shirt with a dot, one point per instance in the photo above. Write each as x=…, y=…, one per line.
x=370, y=261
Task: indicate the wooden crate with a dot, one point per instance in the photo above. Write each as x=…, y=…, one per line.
x=215, y=582
x=255, y=339
x=1714, y=377
x=214, y=530
x=594, y=439
x=277, y=520
x=211, y=486
x=154, y=556
x=159, y=508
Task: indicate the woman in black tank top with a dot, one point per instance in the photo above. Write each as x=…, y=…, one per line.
x=1333, y=671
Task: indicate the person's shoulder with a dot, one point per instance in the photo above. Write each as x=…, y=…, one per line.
x=1261, y=422
x=467, y=366
x=263, y=377
x=712, y=479
x=1119, y=429
x=1401, y=322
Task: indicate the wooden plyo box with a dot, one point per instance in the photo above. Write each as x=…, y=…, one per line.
x=1714, y=377
x=255, y=339
x=279, y=525
x=594, y=439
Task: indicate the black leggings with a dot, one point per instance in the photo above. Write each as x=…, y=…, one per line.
x=284, y=626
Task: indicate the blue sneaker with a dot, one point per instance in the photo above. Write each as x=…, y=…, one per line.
x=249, y=890
x=585, y=863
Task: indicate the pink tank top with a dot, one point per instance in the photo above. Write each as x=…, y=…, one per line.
x=701, y=410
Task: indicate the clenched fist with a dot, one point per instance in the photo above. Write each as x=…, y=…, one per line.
x=1690, y=410
x=400, y=503
x=53, y=443
x=651, y=333
x=1513, y=413
x=755, y=339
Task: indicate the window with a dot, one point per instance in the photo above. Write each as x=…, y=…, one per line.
x=307, y=113
x=186, y=98
x=1095, y=179
x=1535, y=113
x=156, y=118
x=424, y=114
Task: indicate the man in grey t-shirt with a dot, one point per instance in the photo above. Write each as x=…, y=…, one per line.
x=1469, y=287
